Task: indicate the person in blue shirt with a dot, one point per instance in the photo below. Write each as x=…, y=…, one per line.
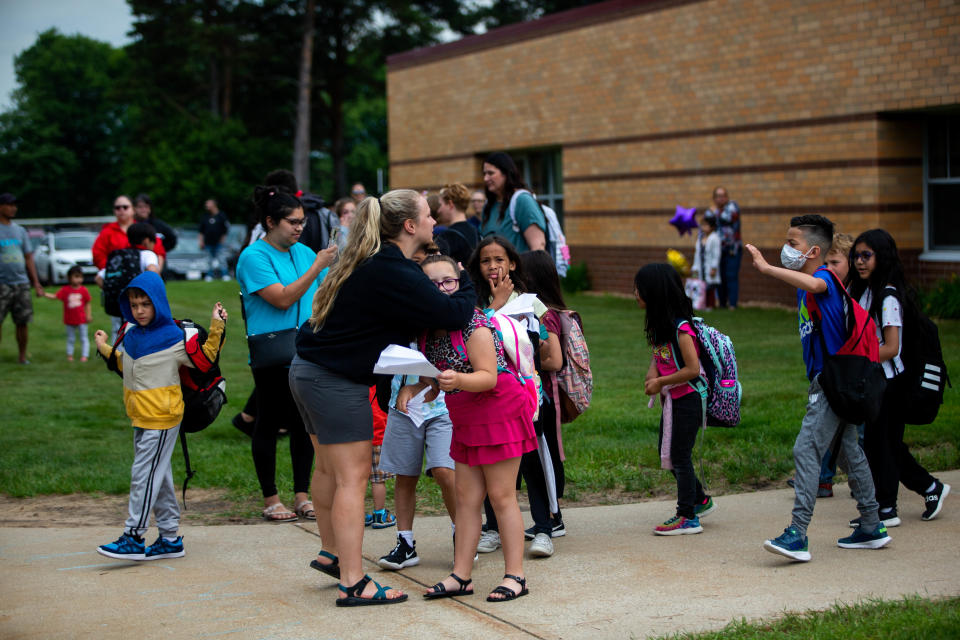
x=808, y=241
x=515, y=216
x=278, y=277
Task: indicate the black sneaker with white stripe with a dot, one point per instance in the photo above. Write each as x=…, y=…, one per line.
x=934, y=500
x=403, y=555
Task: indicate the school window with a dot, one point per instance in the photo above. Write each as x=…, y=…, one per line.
x=542, y=172
x=941, y=184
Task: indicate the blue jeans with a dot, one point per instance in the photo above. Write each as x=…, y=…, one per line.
x=730, y=278
x=214, y=268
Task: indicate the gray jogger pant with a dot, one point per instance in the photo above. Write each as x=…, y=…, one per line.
x=151, y=482
x=817, y=430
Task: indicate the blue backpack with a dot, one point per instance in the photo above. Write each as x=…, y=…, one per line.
x=719, y=362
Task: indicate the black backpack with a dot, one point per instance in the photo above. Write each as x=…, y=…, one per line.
x=202, y=385
x=123, y=265
x=925, y=372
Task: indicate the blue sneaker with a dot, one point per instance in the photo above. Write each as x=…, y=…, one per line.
x=367, y=519
x=862, y=540
x=678, y=526
x=126, y=547
x=163, y=548
x=382, y=518
x=791, y=544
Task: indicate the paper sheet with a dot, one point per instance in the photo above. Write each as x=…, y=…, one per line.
x=519, y=306
x=396, y=359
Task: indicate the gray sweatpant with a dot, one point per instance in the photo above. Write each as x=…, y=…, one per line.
x=151, y=482
x=819, y=426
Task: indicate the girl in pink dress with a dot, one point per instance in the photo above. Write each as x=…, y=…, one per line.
x=492, y=417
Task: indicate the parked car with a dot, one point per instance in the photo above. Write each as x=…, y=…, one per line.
x=56, y=252
x=189, y=262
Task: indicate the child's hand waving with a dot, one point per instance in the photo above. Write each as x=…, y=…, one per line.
x=100, y=337
x=758, y=261
x=219, y=312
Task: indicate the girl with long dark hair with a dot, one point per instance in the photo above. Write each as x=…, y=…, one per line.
x=883, y=290
x=515, y=216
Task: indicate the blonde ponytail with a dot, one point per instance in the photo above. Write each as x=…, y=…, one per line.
x=377, y=220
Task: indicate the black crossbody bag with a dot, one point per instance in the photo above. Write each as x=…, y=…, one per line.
x=273, y=348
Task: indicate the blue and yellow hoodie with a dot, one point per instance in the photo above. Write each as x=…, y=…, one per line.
x=150, y=358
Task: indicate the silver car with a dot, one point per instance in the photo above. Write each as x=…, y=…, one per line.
x=60, y=250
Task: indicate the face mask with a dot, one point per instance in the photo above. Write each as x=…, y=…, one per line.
x=792, y=259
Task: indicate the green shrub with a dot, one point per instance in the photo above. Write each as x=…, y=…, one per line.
x=577, y=278
x=943, y=300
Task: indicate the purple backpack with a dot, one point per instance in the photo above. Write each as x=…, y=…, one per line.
x=719, y=362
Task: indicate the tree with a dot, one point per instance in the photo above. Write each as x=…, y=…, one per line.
x=301, y=142
x=64, y=140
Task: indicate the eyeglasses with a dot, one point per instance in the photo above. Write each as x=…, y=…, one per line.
x=358, y=192
x=120, y=206
x=480, y=200
x=296, y=222
x=863, y=255
x=447, y=284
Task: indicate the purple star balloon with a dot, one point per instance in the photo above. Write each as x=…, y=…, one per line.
x=684, y=220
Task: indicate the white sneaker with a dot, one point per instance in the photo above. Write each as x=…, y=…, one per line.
x=489, y=542
x=542, y=546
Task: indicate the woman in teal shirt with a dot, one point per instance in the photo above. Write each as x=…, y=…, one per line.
x=526, y=229
x=278, y=277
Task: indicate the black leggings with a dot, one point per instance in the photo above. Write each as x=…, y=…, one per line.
x=687, y=418
x=275, y=409
x=532, y=471
x=890, y=459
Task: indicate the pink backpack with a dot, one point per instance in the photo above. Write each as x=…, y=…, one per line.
x=518, y=349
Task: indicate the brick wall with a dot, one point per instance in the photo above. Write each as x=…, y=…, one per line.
x=795, y=107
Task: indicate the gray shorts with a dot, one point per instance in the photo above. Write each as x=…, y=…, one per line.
x=333, y=408
x=405, y=446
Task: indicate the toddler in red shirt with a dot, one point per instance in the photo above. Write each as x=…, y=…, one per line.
x=76, y=311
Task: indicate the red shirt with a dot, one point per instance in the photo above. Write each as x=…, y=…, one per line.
x=111, y=238
x=74, y=300
x=379, y=418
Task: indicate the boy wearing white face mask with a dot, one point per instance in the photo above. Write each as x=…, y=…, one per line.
x=808, y=241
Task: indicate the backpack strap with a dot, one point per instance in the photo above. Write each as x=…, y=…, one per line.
x=678, y=359
x=112, y=358
x=186, y=463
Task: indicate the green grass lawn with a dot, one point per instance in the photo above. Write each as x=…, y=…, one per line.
x=909, y=619
x=64, y=429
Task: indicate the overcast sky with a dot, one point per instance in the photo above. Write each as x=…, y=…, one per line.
x=22, y=20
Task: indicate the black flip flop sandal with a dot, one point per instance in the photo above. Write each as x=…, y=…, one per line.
x=507, y=592
x=354, y=599
x=440, y=590
x=332, y=569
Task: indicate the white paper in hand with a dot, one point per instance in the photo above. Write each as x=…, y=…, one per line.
x=401, y=360
x=521, y=305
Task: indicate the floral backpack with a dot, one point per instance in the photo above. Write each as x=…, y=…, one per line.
x=574, y=386
x=719, y=363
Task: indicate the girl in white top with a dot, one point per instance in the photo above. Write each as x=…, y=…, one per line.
x=706, y=259
x=882, y=290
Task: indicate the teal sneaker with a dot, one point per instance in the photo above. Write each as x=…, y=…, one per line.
x=790, y=544
x=860, y=539
x=678, y=526
x=705, y=508
x=163, y=548
x=126, y=547
x=382, y=518
x=367, y=519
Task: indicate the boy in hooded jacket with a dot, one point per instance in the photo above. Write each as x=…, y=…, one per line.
x=150, y=357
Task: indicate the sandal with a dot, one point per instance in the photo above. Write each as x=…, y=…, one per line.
x=507, y=592
x=332, y=569
x=354, y=599
x=305, y=510
x=440, y=590
x=279, y=513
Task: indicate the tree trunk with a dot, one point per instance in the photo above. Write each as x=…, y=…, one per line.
x=301, y=143
x=337, y=90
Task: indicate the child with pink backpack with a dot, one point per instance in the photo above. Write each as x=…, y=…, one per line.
x=492, y=414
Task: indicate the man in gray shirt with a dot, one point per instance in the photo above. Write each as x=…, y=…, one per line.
x=16, y=264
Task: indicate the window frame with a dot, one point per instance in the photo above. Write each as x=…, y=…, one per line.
x=950, y=253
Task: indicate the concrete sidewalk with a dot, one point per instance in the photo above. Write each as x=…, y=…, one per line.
x=610, y=577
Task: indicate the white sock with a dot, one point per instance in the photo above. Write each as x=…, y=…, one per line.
x=453, y=528
x=886, y=510
x=171, y=540
x=407, y=537
x=932, y=487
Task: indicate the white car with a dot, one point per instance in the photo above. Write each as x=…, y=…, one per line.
x=60, y=250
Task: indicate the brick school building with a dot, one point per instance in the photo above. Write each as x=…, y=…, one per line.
x=620, y=111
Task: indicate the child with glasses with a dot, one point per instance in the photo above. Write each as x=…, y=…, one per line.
x=492, y=417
